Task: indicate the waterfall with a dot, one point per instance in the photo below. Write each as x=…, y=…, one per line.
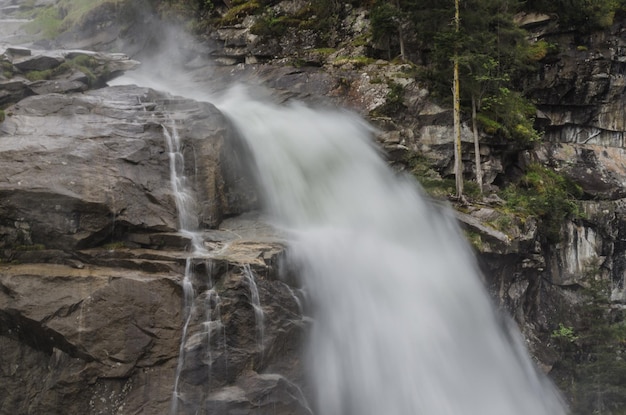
x=183, y=195
x=402, y=324
x=206, y=306
x=255, y=301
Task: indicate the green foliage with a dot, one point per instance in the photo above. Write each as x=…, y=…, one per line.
x=237, y=13
x=321, y=17
x=475, y=239
x=384, y=19
x=540, y=49
x=564, y=334
x=394, y=101
x=357, y=61
x=493, y=54
x=544, y=194
x=2, y=116
x=84, y=63
x=508, y=114
x=583, y=15
x=47, y=22
x=270, y=25
x=421, y=167
x=39, y=75
x=8, y=70
x=113, y=246
x=318, y=16
x=591, y=370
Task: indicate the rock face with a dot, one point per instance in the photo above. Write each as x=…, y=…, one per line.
x=96, y=339
x=34, y=72
x=85, y=202
x=93, y=315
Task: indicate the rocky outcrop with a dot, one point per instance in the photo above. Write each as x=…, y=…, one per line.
x=81, y=169
x=580, y=93
x=102, y=307
x=87, y=338
x=79, y=217
x=27, y=72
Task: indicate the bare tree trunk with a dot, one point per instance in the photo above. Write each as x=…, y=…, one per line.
x=458, y=162
x=400, y=34
x=402, y=52
x=479, y=169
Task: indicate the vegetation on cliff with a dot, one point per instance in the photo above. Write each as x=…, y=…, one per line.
x=591, y=344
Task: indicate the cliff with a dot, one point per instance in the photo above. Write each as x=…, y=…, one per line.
x=111, y=227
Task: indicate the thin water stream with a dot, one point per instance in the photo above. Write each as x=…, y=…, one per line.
x=207, y=304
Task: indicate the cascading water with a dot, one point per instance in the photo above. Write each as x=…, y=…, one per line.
x=402, y=324
x=255, y=301
x=206, y=305
x=187, y=225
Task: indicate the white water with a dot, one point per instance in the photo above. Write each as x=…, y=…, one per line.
x=255, y=301
x=186, y=207
x=402, y=324
x=188, y=226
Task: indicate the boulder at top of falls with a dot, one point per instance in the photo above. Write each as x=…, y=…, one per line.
x=81, y=169
x=35, y=72
x=38, y=62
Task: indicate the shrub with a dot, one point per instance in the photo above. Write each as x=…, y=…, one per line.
x=394, y=102
x=545, y=194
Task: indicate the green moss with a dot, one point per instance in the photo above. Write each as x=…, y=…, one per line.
x=38, y=75
x=47, y=23
x=358, y=61
x=437, y=188
x=8, y=70
x=474, y=239
x=76, y=10
x=83, y=60
x=2, y=116
x=273, y=26
x=112, y=246
x=361, y=40
x=505, y=222
x=324, y=51
x=319, y=16
x=33, y=247
x=86, y=64
x=237, y=13
x=83, y=63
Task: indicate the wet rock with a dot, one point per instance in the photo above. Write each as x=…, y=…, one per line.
x=78, y=170
x=105, y=336
x=38, y=72
x=39, y=62
x=87, y=328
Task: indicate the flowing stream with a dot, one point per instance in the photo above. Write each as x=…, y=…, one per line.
x=402, y=323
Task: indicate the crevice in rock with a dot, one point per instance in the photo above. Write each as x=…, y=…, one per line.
x=37, y=335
